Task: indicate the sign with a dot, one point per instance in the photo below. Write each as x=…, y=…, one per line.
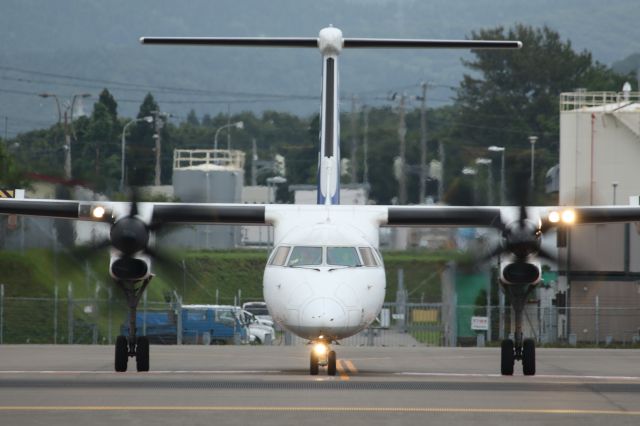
x=480, y=323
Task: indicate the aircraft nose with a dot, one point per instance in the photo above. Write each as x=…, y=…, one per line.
x=324, y=312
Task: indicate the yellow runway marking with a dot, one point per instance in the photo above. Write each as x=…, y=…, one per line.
x=443, y=410
x=350, y=366
x=341, y=370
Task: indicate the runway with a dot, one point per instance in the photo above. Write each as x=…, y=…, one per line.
x=270, y=385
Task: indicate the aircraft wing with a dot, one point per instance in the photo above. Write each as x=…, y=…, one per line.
x=189, y=213
x=443, y=216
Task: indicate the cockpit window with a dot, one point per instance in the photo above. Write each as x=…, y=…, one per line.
x=303, y=255
x=342, y=256
x=368, y=259
x=280, y=256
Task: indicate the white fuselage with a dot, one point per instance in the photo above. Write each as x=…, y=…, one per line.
x=325, y=299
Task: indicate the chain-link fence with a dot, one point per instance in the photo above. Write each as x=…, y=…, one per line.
x=67, y=320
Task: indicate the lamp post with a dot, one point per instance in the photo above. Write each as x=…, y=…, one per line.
x=532, y=140
x=237, y=125
x=148, y=119
x=470, y=171
x=68, y=118
x=615, y=186
x=487, y=162
x=501, y=150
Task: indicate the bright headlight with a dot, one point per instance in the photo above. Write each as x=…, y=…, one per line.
x=554, y=217
x=320, y=349
x=568, y=216
x=98, y=212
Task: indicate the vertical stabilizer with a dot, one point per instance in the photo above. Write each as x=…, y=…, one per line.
x=330, y=44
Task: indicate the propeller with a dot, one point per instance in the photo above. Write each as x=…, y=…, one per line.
x=521, y=237
x=130, y=236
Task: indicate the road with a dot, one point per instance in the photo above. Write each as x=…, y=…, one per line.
x=194, y=385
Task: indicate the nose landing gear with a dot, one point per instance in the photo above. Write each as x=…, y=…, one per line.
x=322, y=355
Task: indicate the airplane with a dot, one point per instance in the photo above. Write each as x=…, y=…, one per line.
x=324, y=280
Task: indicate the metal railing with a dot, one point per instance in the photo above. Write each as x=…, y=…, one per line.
x=582, y=99
x=189, y=159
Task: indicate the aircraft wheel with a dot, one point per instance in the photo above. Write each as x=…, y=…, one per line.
x=313, y=364
x=529, y=357
x=122, y=354
x=142, y=353
x=507, y=358
x=331, y=363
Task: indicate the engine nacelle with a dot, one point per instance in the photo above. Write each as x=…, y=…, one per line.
x=520, y=273
x=129, y=268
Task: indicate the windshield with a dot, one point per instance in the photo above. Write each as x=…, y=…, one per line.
x=302, y=255
x=343, y=256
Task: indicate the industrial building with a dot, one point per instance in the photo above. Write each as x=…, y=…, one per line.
x=600, y=264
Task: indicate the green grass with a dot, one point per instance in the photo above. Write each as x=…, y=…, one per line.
x=36, y=273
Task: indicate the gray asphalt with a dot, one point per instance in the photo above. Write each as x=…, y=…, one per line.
x=56, y=385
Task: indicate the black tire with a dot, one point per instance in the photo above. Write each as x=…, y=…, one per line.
x=313, y=364
x=331, y=363
x=142, y=353
x=529, y=357
x=122, y=354
x=507, y=358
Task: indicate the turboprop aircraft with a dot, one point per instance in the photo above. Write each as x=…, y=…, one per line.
x=324, y=280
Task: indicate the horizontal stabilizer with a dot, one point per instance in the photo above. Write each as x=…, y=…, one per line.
x=234, y=41
x=350, y=43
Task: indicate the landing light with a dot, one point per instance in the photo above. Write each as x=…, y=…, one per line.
x=320, y=349
x=554, y=217
x=568, y=216
x=98, y=212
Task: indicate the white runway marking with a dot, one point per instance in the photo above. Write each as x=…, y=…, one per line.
x=136, y=373
x=543, y=376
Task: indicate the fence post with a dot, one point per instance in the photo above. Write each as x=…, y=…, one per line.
x=55, y=314
x=401, y=301
x=1, y=314
x=70, y=314
x=179, y=320
x=597, y=320
x=109, y=314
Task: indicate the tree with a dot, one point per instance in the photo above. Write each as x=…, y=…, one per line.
x=141, y=145
x=109, y=102
x=514, y=94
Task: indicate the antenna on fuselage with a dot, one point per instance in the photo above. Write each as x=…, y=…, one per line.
x=330, y=43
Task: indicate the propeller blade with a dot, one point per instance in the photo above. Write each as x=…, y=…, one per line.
x=135, y=198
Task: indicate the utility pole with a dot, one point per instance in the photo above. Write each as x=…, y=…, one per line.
x=158, y=125
x=254, y=161
x=365, y=144
x=442, y=164
x=423, y=144
x=354, y=139
x=402, y=133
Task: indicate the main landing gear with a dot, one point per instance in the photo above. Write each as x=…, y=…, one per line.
x=322, y=355
x=518, y=349
x=132, y=345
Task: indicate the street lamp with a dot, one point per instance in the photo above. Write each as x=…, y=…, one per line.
x=532, y=140
x=615, y=186
x=500, y=149
x=147, y=119
x=237, y=125
x=470, y=171
x=67, y=129
x=487, y=162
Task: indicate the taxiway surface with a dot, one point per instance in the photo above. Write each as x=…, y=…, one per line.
x=193, y=385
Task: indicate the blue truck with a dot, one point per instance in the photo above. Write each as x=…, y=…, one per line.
x=201, y=324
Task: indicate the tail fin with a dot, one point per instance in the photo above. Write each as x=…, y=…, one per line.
x=330, y=42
